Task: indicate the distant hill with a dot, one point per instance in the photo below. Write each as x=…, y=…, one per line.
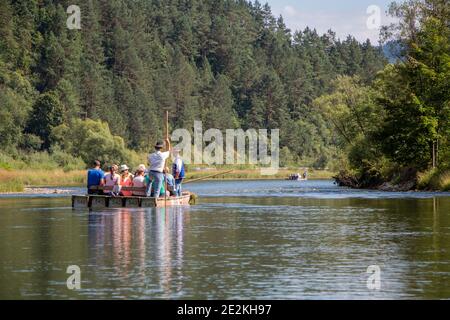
x=392, y=50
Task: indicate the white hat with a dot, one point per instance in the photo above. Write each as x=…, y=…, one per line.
x=141, y=167
x=124, y=167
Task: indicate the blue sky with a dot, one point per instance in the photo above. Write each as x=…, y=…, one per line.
x=342, y=16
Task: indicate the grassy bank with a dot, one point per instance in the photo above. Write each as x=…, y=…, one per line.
x=406, y=179
x=434, y=180
x=17, y=180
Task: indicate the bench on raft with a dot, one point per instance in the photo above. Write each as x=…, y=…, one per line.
x=106, y=201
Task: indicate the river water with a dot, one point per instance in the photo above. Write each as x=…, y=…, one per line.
x=244, y=240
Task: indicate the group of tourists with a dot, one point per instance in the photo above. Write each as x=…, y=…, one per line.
x=153, y=179
x=298, y=176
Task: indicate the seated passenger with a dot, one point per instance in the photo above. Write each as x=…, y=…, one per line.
x=140, y=181
x=171, y=187
x=95, y=178
x=112, y=180
x=126, y=180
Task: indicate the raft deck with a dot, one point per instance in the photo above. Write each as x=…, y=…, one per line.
x=104, y=201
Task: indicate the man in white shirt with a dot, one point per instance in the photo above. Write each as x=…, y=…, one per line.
x=157, y=161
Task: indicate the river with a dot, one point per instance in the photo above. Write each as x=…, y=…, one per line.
x=244, y=240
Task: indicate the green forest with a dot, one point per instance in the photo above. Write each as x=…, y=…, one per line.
x=69, y=96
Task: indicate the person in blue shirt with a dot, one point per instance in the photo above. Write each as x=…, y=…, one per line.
x=178, y=171
x=170, y=181
x=95, y=177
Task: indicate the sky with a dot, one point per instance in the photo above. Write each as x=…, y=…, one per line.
x=342, y=16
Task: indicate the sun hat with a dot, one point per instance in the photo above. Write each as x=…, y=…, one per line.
x=141, y=168
x=124, y=167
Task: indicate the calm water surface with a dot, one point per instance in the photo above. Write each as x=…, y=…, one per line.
x=245, y=240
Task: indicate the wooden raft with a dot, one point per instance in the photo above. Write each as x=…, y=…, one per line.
x=98, y=202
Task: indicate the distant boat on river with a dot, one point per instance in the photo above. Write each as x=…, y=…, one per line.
x=298, y=177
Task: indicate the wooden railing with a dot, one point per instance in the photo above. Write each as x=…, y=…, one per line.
x=109, y=188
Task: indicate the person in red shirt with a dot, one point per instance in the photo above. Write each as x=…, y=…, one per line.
x=126, y=180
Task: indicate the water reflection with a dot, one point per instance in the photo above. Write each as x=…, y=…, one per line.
x=140, y=246
x=266, y=247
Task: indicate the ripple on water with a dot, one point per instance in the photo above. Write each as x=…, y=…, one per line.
x=268, y=239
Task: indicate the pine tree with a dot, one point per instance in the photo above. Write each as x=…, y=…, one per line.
x=229, y=63
x=47, y=114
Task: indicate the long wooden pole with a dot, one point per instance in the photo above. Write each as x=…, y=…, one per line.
x=165, y=175
x=167, y=125
x=207, y=177
x=434, y=154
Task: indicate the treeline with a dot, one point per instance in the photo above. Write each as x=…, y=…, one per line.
x=228, y=63
x=399, y=125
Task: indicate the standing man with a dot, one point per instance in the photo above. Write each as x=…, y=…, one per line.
x=305, y=174
x=157, y=162
x=95, y=177
x=178, y=171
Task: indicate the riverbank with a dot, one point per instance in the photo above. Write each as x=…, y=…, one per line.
x=405, y=180
x=14, y=181
x=19, y=180
x=434, y=180
x=40, y=191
